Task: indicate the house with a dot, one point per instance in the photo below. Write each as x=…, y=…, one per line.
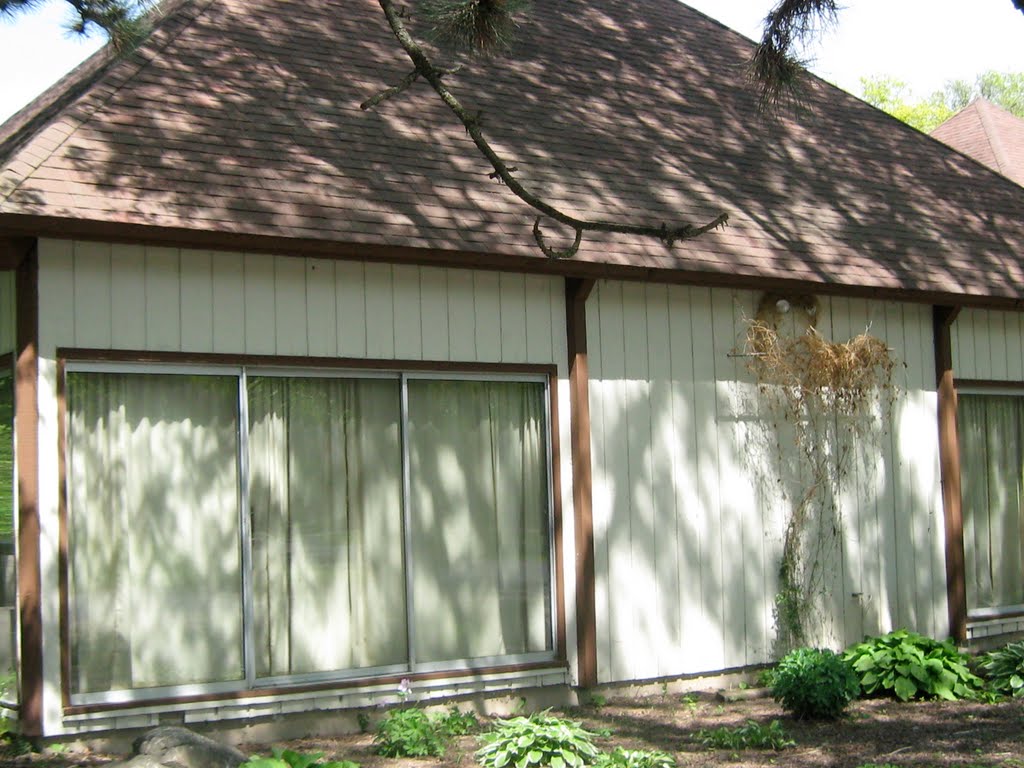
x=302, y=410
x=990, y=134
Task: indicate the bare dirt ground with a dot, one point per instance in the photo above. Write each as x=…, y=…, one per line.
x=912, y=735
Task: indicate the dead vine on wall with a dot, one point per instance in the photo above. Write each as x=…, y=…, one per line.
x=826, y=397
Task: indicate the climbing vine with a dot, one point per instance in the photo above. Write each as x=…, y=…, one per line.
x=826, y=397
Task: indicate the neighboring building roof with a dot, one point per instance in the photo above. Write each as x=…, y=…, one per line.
x=988, y=133
x=241, y=117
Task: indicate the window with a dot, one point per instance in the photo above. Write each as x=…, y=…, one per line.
x=248, y=527
x=991, y=429
x=8, y=517
x=6, y=452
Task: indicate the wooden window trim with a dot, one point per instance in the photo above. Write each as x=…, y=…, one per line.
x=70, y=354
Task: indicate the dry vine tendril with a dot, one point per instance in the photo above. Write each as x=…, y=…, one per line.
x=830, y=394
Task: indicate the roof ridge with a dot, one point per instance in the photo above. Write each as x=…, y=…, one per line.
x=83, y=92
x=994, y=140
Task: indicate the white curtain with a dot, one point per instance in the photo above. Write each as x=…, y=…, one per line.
x=991, y=429
x=6, y=455
x=479, y=518
x=325, y=496
x=155, y=567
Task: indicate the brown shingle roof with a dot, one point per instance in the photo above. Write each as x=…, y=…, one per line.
x=988, y=133
x=241, y=116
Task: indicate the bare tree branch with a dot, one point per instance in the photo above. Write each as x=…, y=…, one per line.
x=433, y=75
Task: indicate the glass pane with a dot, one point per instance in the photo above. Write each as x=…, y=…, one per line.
x=479, y=517
x=8, y=584
x=991, y=429
x=326, y=504
x=155, y=564
x=6, y=456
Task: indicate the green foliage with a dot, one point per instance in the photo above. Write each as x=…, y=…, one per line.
x=766, y=677
x=895, y=97
x=750, y=735
x=123, y=21
x=635, y=758
x=457, y=723
x=287, y=758
x=12, y=743
x=410, y=732
x=1004, y=669
x=908, y=665
x=814, y=684
x=537, y=740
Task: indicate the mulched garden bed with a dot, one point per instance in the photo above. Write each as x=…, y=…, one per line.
x=881, y=731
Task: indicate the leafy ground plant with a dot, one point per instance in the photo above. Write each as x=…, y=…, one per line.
x=538, y=740
x=1004, y=669
x=909, y=665
x=635, y=758
x=409, y=732
x=287, y=758
x=814, y=684
x=751, y=735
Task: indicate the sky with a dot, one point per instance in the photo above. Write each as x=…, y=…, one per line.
x=922, y=42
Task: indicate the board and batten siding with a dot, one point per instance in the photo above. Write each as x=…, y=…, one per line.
x=7, y=312
x=688, y=518
x=127, y=297
x=988, y=345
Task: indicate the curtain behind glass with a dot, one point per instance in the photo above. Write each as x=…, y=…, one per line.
x=155, y=567
x=991, y=429
x=6, y=454
x=479, y=518
x=325, y=496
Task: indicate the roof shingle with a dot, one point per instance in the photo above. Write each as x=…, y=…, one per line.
x=242, y=116
x=990, y=134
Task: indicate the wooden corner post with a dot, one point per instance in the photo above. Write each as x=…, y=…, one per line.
x=949, y=467
x=576, y=293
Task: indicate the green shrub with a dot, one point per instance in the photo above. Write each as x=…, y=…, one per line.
x=537, y=740
x=287, y=758
x=814, y=684
x=1004, y=669
x=457, y=723
x=635, y=758
x=751, y=735
x=909, y=665
x=410, y=732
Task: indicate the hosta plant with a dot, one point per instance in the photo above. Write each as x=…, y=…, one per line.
x=750, y=735
x=814, y=684
x=538, y=740
x=287, y=758
x=1004, y=669
x=635, y=758
x=908, y=665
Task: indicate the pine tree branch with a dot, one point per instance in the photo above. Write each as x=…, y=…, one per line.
x=433, y=75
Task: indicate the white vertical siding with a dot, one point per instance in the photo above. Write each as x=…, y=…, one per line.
x=689, y=521
x=988, y=345
x=126, y=297
x=7, y=313
x=165, y=299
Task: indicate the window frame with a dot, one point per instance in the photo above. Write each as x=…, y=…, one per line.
x=104, y=362
x=995, y=389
